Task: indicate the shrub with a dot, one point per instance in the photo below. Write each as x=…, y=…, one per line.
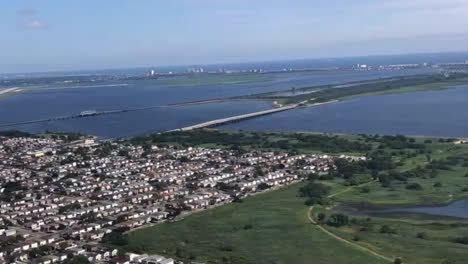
x=321, y=217
x=414, y=186
x=421, y=235
x=462, y=240
x=365, y=189
x=227, y=248
x=385, y=229
x=248, y=226
x=338, y=220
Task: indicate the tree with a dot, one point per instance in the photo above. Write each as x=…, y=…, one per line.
x=414, y=186
x=315, y=192
x=462, y=240
x=78, y=260
x=421, y=235
x=365, y=189
x=385, y=229
x=338, y=220
x=248, y=226
x=263, y=186
x=321, y=217
x=115, y=238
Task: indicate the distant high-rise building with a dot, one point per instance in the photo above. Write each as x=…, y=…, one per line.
x=152, y=72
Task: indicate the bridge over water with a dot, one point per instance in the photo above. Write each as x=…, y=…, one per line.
x=222, y=121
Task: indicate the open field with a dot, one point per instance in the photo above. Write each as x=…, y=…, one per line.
x=268, y=228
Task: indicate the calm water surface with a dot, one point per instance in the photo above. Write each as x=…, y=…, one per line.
x=433, y=113
x=148, y=121
x=455, y=209
x=43, y=104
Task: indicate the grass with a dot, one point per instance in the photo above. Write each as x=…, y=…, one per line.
x=436, y=246
x=453, y=181
x=280, y=233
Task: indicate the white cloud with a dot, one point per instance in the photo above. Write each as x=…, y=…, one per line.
x=29, y=19
x=36, y=24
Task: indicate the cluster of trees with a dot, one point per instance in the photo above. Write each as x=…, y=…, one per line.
x=12, y=240
x=15, y=133
x=10, y=187
x=287, y=142
x=442, y=164
x=338, y=220
x=388, y=177
x=66, y=136
x=77, y=260
x=69, y=207
x=316, y=193
x=115, y=238
x=398, y=142
x=462, y=240
x=359, y=172
x=105, y=149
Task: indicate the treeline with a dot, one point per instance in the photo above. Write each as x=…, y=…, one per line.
x=396, y=142
x=15, y=133
x=65, y=136
x=253, y=140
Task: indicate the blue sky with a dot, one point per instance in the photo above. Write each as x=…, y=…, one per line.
x=55, y=35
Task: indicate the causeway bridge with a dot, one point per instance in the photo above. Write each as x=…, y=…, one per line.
x=222, y=121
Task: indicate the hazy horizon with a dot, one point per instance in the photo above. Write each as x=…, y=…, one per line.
x=55, y=35
x=234, y=63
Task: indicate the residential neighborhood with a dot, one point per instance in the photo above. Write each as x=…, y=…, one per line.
x=62, y=200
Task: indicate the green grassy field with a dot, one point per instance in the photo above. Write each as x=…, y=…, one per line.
x=280, y=233
x=406, y=241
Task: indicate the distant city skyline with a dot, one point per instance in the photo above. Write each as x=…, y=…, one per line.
x=53, y=35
